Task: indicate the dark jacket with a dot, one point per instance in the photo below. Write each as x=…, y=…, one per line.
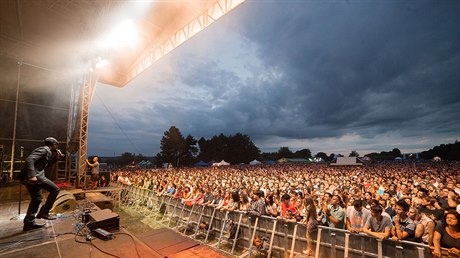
x=37, y=162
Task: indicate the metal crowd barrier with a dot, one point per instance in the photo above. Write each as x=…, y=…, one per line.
x=282, y=239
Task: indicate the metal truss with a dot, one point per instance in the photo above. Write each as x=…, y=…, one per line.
x=87, y=92
x=209, y=16
x=212, y=14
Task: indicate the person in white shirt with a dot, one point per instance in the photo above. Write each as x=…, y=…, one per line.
x=356, y=217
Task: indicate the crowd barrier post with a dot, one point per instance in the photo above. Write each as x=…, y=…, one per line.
x=318, y=242
x=169, y=210
x=180, y=215
x=124, y=194
x=294, y=234
x=210, y=228
x=135, y=191
x=379, y=248
x=198, y=222
x=143, y=199
x=347, y=239
x=119, y=195
x=420, y=251
x=187, y=221
x=115, y=196
x=140, y=199
x=224, y=223
x=399, y=250
x=362, y=247
x=165, y=215
x=145, y=209
x=123, y=191
x=235, y=239
x=272, y=237
x=129, y=194
x=171, y=214
x=333, y=244
x=134, y=196
x=286, y=238
x=160, y=200
x=150, y=196
x=110, y=193
x=253, y=233
x=181, y=212
x=133, y=200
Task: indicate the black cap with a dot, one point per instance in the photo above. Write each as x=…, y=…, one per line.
x=50, y=141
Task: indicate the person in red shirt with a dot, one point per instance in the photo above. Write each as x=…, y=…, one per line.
x=288, y=210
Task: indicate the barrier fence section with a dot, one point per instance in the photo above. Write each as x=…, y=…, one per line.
x=232, y=231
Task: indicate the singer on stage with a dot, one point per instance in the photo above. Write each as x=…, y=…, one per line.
x=33, y=177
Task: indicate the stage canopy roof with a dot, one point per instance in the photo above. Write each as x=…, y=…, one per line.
x=74, y=35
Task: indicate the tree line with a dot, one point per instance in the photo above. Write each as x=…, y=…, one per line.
x=177, y=150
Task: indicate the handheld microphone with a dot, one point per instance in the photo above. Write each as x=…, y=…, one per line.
x=59, y=153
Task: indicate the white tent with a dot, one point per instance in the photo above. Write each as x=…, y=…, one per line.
x=346, y=161
x=437, y=158
x=222, y=163
x=255, y=162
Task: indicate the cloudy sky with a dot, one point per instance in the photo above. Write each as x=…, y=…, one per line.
x=331, y=76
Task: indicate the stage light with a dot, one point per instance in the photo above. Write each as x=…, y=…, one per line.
x=125, y=35
x=102, y=63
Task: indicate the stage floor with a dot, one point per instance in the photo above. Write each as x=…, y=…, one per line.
x=58, y=239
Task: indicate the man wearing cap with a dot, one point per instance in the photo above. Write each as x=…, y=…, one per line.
x=33, y=177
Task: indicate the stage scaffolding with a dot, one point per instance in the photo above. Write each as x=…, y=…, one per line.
x=46, y=84
x=35, y=103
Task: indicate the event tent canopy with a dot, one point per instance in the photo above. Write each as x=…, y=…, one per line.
x=222, y=163
x=255, y=162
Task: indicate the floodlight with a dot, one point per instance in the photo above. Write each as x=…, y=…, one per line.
x=124, y=35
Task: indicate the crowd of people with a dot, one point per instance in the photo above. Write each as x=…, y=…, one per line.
x=412, y=201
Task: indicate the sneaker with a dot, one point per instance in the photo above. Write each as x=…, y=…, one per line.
x=45, y=216
x=31, y=226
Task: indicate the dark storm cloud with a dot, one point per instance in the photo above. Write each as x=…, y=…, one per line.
x=369, y=73
x=355, y=65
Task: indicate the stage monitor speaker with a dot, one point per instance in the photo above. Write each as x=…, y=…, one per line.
x=104, y=219
x=65, y=202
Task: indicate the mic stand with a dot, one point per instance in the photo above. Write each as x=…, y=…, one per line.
x=18, y=217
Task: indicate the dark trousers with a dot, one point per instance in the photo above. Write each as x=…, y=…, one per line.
x=35, y=191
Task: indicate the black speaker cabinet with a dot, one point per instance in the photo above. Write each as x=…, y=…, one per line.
x=104, y=219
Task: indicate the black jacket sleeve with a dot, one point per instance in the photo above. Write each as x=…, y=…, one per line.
x=38, y=160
